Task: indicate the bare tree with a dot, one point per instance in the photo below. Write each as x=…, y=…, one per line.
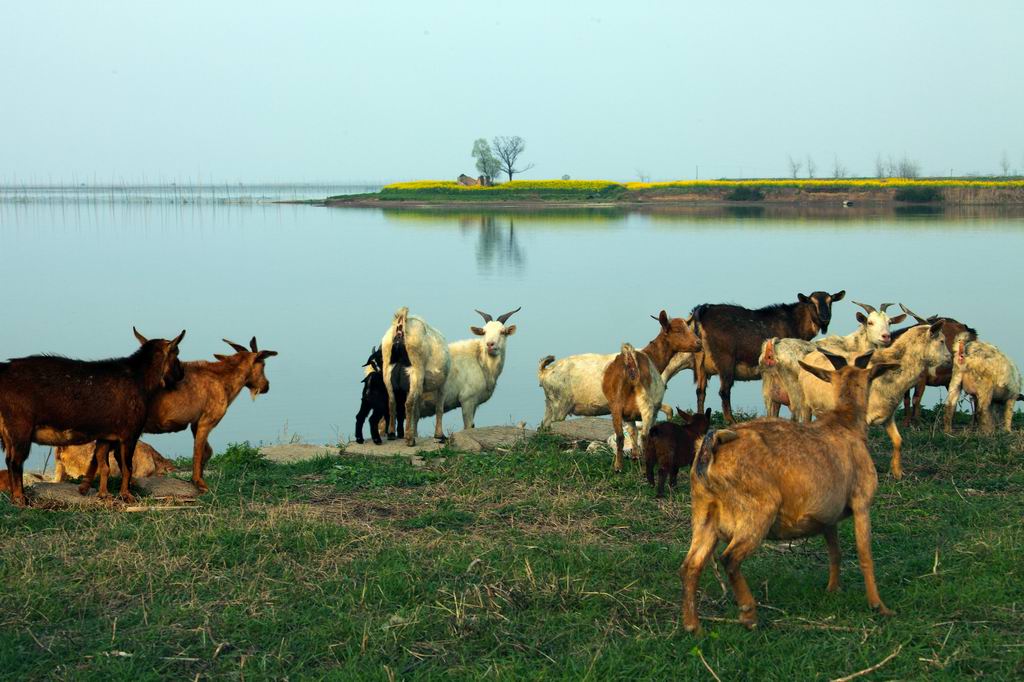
x=908, y=168
x=812, y=167
x=1004, y=163
x=486, y=164
x=794, y=167
x=508, y=149
x=838, y=169
x=880, y=166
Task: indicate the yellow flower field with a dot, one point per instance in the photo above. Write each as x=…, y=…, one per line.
x=603, y=185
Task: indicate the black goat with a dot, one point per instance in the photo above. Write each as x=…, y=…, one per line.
x=375, y=395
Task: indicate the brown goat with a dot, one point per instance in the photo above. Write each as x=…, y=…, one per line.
x=671, y=446
x=732, y=337
x=72, y=461
x=632, y=383
x=783, y=480
x=59, y=401
x=202, y=399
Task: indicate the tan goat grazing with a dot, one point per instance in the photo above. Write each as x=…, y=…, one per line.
x=918, y=350
x=783, y=480
x=72, y=461
x=983, y=371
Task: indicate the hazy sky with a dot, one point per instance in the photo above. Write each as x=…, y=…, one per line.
x=350, y=91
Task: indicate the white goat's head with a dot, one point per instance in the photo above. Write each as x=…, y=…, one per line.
x=495, y=331
x=876, y=322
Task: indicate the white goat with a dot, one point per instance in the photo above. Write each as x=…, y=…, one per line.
x=779, y=358
x=429, y=365
x=476, y=366
x=983, y=371
x=920, y=349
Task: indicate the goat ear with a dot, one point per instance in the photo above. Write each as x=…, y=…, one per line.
x=218, y=356
x=861, y=318
x=899, y=318
x=881, y=368
x=822, y=374
x=509, y=330
x=142, y=339
x=802, y=298
x=861, y=361
x=685, y=417
x=264, y=354
x=838, y=361
x=663, y=319
x=838, y=296
x=936, y=329
x=477, y=330
x=178, y=339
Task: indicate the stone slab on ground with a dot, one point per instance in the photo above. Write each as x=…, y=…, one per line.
x=393, y=448
x=62, y=496
x=595, y=429
x=489, y=438
x=296, y=452
x=166, y=487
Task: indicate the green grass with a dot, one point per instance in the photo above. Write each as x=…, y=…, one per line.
x=533, y=563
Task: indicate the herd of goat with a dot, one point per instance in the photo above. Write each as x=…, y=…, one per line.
x=767, y=477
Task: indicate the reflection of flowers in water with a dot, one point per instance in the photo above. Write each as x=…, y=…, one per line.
x=497, y=246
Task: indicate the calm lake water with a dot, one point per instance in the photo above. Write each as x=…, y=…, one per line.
x=320, y=285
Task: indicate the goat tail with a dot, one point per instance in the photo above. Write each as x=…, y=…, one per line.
x=667, y=410
x=630, y=361
x=708, y=447
x=544, y=362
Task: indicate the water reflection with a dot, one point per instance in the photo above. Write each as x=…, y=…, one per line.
x=497, y=246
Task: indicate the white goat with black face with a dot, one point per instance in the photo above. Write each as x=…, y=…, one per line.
x=476, y=366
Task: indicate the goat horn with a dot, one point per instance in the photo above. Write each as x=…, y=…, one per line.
x=908, y=311
x=252, y=344
x=867, y=308
x=504, y=318
x=487, y=318
x=884, y=306
x=239, y=348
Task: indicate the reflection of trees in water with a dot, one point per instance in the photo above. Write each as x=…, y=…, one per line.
x=497, y=246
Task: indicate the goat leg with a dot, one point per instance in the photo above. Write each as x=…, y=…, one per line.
x=862, y=530
x=364, y=409
x=834, y=557
x=126, y=452
x=375, y=418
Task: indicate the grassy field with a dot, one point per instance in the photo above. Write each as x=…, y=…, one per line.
x=531, y=563
x=924, y=190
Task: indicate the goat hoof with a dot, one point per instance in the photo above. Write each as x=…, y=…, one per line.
x=127, y=498
x=377, y=441
x=83, y=488
x=201, y=484
x=359, y=440
x=441, y=439
x=19, y=501
x=391, y=436
x=883, y=611
x=693, y=628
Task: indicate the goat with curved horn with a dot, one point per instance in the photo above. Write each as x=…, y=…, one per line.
x=504, y=318
x=238, y=348
x=908, y=311
x=487, y=318
x=867, y=308
x=884, y=306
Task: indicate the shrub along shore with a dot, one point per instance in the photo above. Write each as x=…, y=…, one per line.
x=532, y=562
x=775, y=191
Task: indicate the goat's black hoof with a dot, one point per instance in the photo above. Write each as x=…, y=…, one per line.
x=378, y=441
x=441, y=439
x=359, y=440
x=391, y=436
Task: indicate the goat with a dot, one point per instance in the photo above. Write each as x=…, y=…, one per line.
x=732, y=336
x=72, y=461
x=54, y=400
x=476, y=366
x=574, y=384
x=429, y=365
x=919, y=349
x=671, y=446
x=779, y=357
x=201, y=400
x=983, y=371
x=940, y=376
x=374, y=400
x=632, y=384
x=785, y=480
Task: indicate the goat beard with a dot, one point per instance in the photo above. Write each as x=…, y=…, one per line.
x=254, y=392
